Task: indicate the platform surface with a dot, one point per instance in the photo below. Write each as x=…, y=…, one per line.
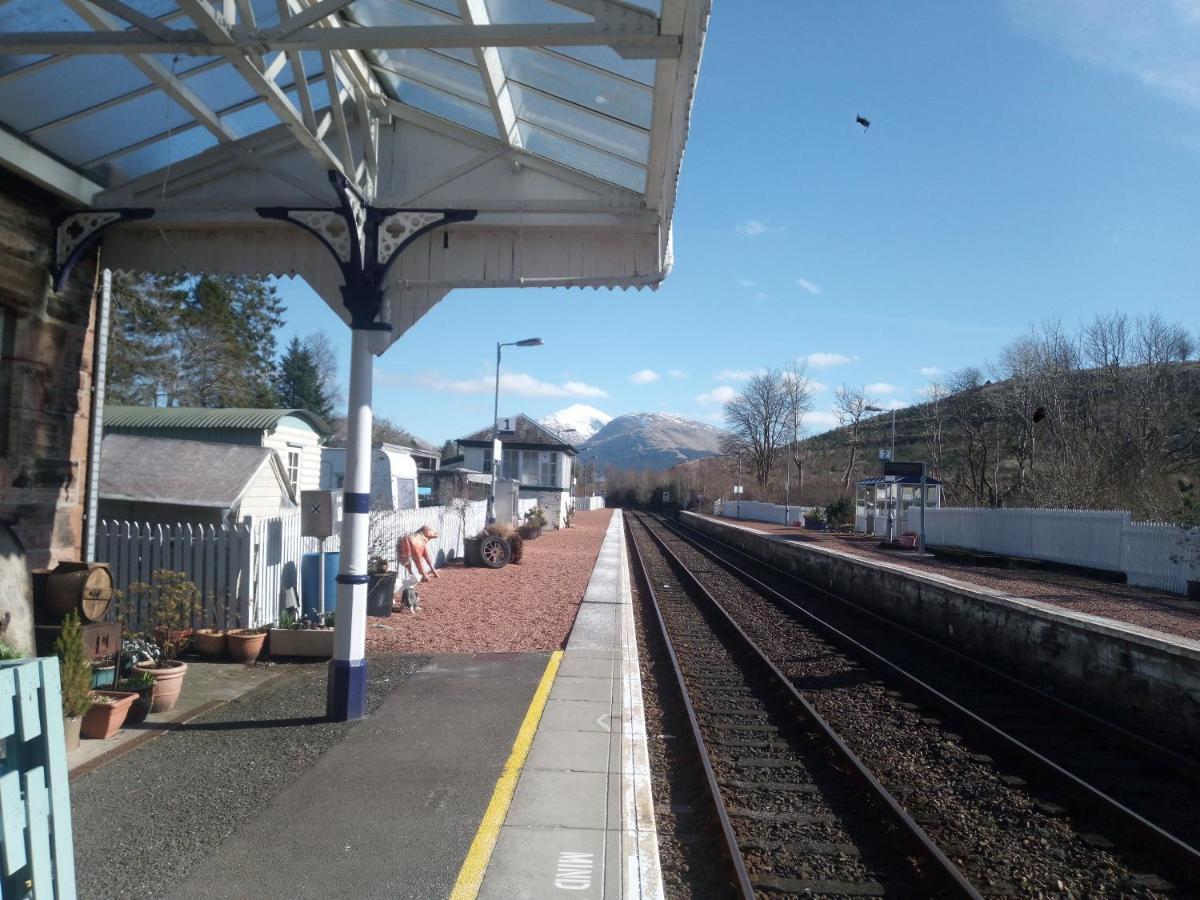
x=581, y=822
x=410, y=802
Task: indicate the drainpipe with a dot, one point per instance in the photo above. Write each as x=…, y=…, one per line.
x=99, y=371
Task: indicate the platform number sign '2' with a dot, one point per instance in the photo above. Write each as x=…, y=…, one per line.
x=666, y=496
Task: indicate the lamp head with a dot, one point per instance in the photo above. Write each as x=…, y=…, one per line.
x=530, y=342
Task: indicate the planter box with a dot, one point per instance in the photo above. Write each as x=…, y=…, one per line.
x=104, y=720
x=311, y=642
x=471, y=554
x=380, y=591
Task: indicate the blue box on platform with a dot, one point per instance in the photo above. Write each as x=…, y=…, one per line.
x=309, y=567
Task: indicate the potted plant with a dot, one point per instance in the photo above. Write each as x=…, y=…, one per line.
x=490, y=548
x=245, y=644
x=908, y=540
x=300, y=637
x=210, y=642
x=75, y=674
x=535, y=521
x=141, y=685
x=814, y=519
x=173, y=598
x=107, y=714
x=381, y=587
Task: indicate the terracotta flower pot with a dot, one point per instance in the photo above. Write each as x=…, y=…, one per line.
x=168, y=683
x=244, y=646
x=209, y=642
x=104, y=720
x=71, y=727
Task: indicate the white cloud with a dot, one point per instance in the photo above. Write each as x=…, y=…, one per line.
x=817, y=387
x=736, y=374
x=1152, y=42
x=820, y=420
x=757, y=228
x=677, y=373
x=812, y=287
x=930, y=371
x=828, y=360
x=763, y=295
x=881, y=387
x=747, y=283
x=517, y=383
x=645, y=376
x=719, y=395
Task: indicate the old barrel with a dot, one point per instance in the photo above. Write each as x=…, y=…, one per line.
x=84, y=587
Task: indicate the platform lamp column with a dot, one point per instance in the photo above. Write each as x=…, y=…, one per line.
x=496, y=449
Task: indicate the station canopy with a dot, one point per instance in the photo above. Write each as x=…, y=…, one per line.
x=556, y=129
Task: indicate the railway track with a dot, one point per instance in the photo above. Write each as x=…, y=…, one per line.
x=978, y=811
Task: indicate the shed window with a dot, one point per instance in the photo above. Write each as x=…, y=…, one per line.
x=293, y=469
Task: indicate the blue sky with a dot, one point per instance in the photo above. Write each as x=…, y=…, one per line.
x=1026, y=159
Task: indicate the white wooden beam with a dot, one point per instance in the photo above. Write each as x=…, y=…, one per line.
x=31, y=163
x=208, y=22
x=638, y=43
x=491, y=70
x=311, y=16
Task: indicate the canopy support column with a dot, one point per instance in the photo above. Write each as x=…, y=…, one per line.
x=365, y=241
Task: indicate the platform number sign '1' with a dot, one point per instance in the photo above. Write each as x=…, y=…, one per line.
x=666, y=496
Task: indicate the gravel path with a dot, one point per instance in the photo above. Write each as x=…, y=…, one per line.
x=530, y=606
x=144, y=821
x=1140, y=606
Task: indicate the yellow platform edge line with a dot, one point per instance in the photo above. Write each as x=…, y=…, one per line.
x=470, y=876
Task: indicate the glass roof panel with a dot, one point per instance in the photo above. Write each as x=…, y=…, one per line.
x=560, y=77
x=511, y=12
x=156, y=156
x=581, y=125
x=585, y=159
x=640, y=70
x=75, y=84
x=127, y=123
x=436, y=71
x=222, y=87
x=396, y=12
x=439, y=103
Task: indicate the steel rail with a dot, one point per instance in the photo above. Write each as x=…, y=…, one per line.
x=1128, y=820
x=1182, y=765
x=942, y=865
x=710, y=776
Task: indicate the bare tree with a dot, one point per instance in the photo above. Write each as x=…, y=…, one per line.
x=850, y=405
x=321, y=348
x=799, y=390
x=759, y=422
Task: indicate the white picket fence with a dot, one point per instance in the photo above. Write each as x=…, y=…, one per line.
x=242, y=571
x=587, y=504
x=757, y=511
x=1150, y=554
x=235, y=568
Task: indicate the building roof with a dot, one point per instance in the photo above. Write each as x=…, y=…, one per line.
x=526, y=432
x=200, y=417
x=180, y=472
x=901, y=479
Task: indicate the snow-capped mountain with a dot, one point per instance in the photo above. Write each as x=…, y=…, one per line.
x=652, y=441
x=586, y=420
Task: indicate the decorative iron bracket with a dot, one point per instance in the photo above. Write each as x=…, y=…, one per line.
x=365, y=240
x=76, y=232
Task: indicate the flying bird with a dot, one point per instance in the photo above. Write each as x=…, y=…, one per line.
x=863, y=121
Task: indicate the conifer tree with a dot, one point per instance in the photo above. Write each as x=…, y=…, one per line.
x=299, y=383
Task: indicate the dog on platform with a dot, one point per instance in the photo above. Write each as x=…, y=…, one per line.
x=413, y=551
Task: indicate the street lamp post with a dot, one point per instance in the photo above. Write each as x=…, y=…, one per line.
x=497, y=456
x=881, y=409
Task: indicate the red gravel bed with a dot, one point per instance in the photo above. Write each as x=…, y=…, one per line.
x=530, y=606
x=1140, y=606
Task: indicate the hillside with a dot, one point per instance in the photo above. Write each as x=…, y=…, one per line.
x=652, y=441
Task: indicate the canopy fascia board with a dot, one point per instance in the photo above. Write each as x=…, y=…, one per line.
x=635, y=41
x=45, y=171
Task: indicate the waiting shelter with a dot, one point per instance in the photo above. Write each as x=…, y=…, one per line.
x=386, y=151
x=882, y=502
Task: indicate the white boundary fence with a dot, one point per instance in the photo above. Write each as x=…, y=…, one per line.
x=587, y=504
x=243, y=570
x=757, y=511
x=1152, y=555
